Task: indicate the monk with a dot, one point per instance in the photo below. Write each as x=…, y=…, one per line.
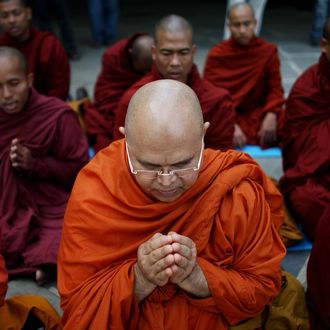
x=46, y=56
x=306, y=148
x=42, y=148
x=173, y=55
x=123, y=64
x=3, y=279
x=318, y=272
x=159, y=231
x=249, y=68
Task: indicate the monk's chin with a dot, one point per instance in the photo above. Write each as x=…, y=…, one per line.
x=167, y=196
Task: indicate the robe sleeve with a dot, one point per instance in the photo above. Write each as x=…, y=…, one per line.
x=242, y=290
x=275, y=93
x=68, y=155
x=56, y=68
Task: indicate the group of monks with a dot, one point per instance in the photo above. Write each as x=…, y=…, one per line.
x=158, y=231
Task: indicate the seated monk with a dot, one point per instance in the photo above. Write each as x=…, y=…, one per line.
x=159, y=231
x=45, y=55
x=173, y=55
x=123, y=64
x=306, y=147
x=249, y=68
x=42, y=148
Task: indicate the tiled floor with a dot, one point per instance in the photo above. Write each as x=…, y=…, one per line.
x=283, y=24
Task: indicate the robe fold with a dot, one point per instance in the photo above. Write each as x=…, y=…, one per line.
x=318, y=272
x=252, y=76
x=116, y=77
x=306, y=147
x=3, y=277
x=232, y=213
x=216, y=106
x=32, y=203
x=47, y=60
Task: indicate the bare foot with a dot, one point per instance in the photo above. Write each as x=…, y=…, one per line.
x=42, y=276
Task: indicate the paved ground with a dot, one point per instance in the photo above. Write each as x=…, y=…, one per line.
x=283, y=24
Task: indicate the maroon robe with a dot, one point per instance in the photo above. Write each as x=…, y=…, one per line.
x=216, y=106
x=3, y=277
x=116, y=77
x=318, y=274
x=306, y=146
x=252, y=76
x=32, y=204
x=47, y=59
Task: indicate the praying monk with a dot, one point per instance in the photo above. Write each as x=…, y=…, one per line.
x=306, y=147
x=173, y=55
x=249, y=68
x=160, y=233
x=42, y=148
x=46, y=56
x=123, y=64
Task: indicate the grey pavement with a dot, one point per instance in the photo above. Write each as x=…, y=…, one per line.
x=282, y=24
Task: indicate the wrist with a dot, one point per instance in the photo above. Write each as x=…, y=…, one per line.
x=142, y=286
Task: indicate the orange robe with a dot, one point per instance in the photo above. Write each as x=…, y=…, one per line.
x=252, y=76
x=233, y=221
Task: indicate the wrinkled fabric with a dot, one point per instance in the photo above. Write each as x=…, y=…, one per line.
x=252, y=76
x=232, y=213
x=216, y=106
x=3, y=277
x=306, y=148
x=47, y=60
x=32, y=204
x=116, y=77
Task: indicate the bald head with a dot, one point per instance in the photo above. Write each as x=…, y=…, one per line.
x=141, y=53
x=24, y=3
x=239, y=8
x=173, y=24
x=164, y=111
x=15, y=55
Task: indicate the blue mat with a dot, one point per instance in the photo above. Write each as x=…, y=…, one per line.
x=305, y=245
x=91, y=152
x=257, y=152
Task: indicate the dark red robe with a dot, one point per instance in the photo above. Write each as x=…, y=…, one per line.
x=306, y=147
x=252, y=76
x=47, y=59
x=32, y=204
x=318, y=274
x=3, y=277
x=216, y=105
x=116, y=77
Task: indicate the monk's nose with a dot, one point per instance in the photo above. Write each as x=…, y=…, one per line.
x=167, y=179
x=175, y=61
x=6, y=92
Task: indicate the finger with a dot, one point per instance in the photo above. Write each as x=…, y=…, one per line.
x=14, y=141
x=157, y=241
x=182, y=240
x=159, y=254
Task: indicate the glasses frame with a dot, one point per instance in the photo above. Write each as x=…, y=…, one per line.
x=160, y=173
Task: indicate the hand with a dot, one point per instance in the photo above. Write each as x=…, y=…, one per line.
x=239, y=137
x=20, y=156
x=267, y=130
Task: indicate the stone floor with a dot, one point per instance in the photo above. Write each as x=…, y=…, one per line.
x=283, y=24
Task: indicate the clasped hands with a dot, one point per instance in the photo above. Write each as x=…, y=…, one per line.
x=20, y=156
x=169, y=258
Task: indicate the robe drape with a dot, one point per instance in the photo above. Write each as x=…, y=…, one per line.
x=306, y=147
x=32, y=203
x=232, y=213
x=252, y=76
x=216, y=106
x=116, y=77
x=47, y=60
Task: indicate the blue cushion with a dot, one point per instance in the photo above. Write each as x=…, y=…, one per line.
x=257, y=152
x=91, y=152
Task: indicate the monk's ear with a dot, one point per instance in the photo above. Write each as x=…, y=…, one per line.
x=29, y=13
x=122, y=130
x=324, y=45
x=153, y=52
x=206, y=126
x=30, y=79
x=193, y=49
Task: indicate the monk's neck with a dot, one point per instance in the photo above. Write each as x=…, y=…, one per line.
x=24, y=36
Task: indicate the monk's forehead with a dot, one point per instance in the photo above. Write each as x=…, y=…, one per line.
x=16, y=3
x=241, y=10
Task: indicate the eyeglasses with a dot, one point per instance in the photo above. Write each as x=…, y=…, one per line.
x=150, y=174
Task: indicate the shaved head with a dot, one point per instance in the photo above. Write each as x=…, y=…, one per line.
x=141, y=53
x=14, y=54
x=24, y=3
x=164, y=131
x=173, y=24
x=240, y=7
x=164, y=110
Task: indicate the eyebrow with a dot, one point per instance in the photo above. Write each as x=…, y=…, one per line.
x=182, y=162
